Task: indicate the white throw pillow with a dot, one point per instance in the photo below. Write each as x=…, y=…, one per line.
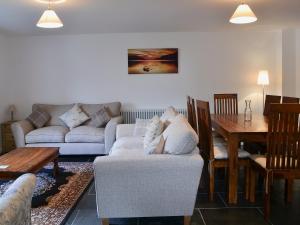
x=156, y=146
x=168, y=115
x=74, y=117
x=154, y=129
x=140, y=127
x=180, y=138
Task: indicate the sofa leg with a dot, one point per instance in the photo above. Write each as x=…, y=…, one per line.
x=105, y=221
x=187, y=220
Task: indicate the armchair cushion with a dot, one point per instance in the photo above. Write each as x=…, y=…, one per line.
x=51, y=134
x=85, y=134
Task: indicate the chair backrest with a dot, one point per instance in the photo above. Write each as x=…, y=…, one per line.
x=286, y=99
x=191, y=110
x=283, y=143
x=270, y=99
x=226, y=104
x=204, y=127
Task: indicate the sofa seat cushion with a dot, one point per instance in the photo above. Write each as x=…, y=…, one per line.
x=128, y=152
x=85, y=134
x=129, y=143
x=51, y=134
x=128, y=146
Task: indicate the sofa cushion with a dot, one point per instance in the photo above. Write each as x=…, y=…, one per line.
x=74, y=117
x=85, y=134
x=114, y=108
x=180, y=137
x=50, y=134
x=55, y=111
x=140, y=127
x=154, y=129
x=129, y=143
x=39, y=117
x=156, y=146
x=169, y=114
x=100, y=118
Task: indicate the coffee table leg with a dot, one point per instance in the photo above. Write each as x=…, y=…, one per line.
x=55, y=168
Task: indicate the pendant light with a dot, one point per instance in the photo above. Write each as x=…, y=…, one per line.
x=243, y=15
x=49, y=19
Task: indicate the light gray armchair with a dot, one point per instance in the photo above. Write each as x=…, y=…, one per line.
x=15, y=203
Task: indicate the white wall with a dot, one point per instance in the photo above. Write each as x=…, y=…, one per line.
x=289, y=66
x=93, y=68
x=297, y=63
x=5, y=95
x=291, y=62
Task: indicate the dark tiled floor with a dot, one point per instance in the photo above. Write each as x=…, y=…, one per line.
x=217, y=212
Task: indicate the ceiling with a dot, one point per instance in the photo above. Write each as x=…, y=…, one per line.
x=18, y=17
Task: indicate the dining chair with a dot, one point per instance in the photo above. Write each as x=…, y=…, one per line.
x=286, y=99
x=270, y=99
x=226, y=104
x=216, y=154
x=191, y=112
x=282, y=160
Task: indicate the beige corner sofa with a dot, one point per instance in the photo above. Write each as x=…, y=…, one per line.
x=82, y=140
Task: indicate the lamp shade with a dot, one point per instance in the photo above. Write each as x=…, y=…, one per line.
x=263, y=77
x=49, y=19
x=12, y=108
x=242, y=15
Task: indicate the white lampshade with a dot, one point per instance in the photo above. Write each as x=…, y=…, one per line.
x=49, y=19
x=263, y=77
x=242, y=15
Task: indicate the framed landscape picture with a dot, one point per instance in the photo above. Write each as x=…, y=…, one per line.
x=153, y=61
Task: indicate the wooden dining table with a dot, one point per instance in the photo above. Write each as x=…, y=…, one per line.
x=235, y=129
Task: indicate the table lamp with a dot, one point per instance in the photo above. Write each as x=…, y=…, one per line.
x=263, y=79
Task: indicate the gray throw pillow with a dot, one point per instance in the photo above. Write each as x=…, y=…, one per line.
x=100, y=118
x=38, y=117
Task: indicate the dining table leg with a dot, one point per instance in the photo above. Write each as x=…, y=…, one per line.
x=233, y=142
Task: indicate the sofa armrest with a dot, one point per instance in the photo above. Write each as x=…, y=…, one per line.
x=146, y=186
x=19, y=130
x=124, y=130
x=110, y=132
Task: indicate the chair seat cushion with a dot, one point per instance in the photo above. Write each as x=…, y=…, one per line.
x=220, y=152
x=262, y=160
x=51, y=134
x=85, y=134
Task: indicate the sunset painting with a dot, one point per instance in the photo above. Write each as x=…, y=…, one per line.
x=153, y=61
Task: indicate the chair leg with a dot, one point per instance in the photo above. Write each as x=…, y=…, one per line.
x=252, y=185
x=105, y=221
x=187, y=220
x=247, y=182
x=267, y=200
x=211, y=183
x=288, y=190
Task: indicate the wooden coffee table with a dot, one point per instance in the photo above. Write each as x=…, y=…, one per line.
x=27, y=160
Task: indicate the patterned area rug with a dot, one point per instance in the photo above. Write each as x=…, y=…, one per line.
x=54, y=198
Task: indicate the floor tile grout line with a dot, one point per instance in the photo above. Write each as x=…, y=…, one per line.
x=261, y=212
x=202, y=216
x=75, y=216
x=220, y=196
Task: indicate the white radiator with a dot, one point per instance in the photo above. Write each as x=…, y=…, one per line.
x=129, y=115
